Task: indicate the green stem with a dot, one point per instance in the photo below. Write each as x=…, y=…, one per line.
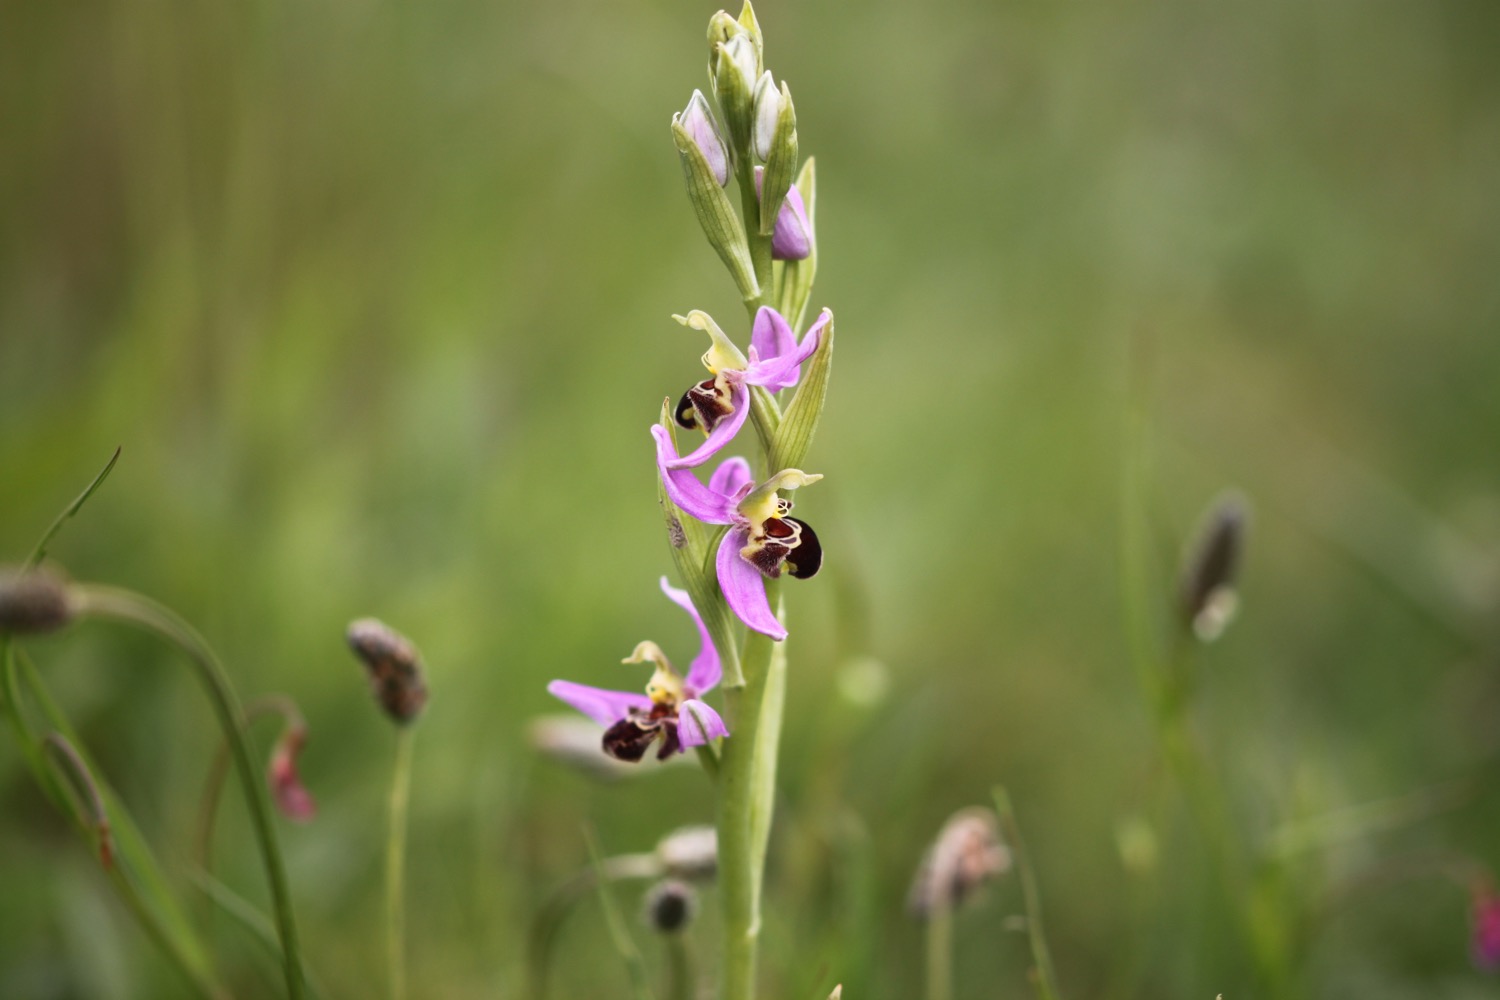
x=395, y=864
x=189, y=960
x=747, y=798
x=679, y=967
x=124, y=606
x=560, y=903
x=1041, y=955
x=940, y=951
x=760, y=246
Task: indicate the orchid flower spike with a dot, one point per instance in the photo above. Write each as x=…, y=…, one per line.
x=761, y=539
x=793, y=236
x=718, y=405
x=670, y=711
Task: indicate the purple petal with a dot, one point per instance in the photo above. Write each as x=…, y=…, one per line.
x=698, y=121
x=697, y=724
x=744, y=588
x=723, y=432
x=683, y=487
x=705, y=672
x=792, y=238
x=771, y=336
x=783, y=372
x=604, y=707
x=730, y=477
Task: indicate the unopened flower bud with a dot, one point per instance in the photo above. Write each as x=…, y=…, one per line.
x=34, y=602
x=735, y=68
x=394, y=667
x=287, y=791
x=966, y=854
x=793, y=236
x=767, y=112
x=670, y=906
x=721, y=28
x=697, y=120
x=691, y=852
x=1207, y=589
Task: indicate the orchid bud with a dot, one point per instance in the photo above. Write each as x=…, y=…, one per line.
x=287, y=791
x=1207, y=591
x=715, y=213
x=721, y=28
x=735, y=68
x=691, y=852
x=394, y=667
x=670, y=906
x=35, y=602
x=781, y=162
x=797, y=276
x=966, y=854
x=767, y=112
x=793, y=236
x=697, y=119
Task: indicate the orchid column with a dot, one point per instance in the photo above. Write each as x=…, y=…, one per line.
x=733, y=538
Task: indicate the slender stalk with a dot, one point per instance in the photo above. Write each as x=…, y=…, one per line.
x=395, y=864
x=760, y=246
x=150, y=910
x=940, y=951
x=560, y=903
x=635, y=964
x=679, y=967
x=1041, y=955
x=747, y=781
x=124, y=606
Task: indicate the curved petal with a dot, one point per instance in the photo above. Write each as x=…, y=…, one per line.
x=683, y=487
x=771, y=336
x=604, y=707
x=730, y=477
x=792, y=238
x=703, y=676
x=744, y=588
x=697, y=723
x=783, y=372
x=723, y=432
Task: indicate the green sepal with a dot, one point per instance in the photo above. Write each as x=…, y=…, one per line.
x=715, y=214
x=733, y=77
x=694, y=558
x=752, y=28
x=800, y=422
x=795, y=277
x=781, y=164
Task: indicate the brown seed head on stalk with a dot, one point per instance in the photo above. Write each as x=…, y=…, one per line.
x=394, y=666
x=34, y=602
x=967, y=853
x=670, y=906
x=1207, y=592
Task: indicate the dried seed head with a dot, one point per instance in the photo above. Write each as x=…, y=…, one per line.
x=966, y=854
x=33, y=603
x=690, y=852
x=670, y=906
x=394, y=667
x=1206, y=591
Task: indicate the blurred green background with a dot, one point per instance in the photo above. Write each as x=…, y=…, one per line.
x=376, y=299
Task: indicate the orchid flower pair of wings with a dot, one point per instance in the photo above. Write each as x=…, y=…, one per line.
x=669, y=711
x=720, y=404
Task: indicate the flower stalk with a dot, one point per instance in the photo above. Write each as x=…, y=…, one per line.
x=129, y=608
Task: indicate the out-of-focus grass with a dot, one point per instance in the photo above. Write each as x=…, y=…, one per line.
x=376, y=301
